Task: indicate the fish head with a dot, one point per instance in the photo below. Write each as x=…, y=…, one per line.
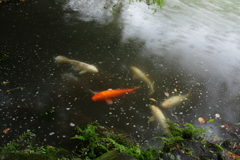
x=98, y=97
x=92, y=69
x=153, y=108
x=134, y=69
x=61, y=59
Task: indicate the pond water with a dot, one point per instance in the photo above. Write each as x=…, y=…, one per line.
x=186, y=45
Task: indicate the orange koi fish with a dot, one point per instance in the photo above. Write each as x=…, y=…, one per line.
x=110, y=94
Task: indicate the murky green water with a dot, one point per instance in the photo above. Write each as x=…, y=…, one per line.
x=186, y=45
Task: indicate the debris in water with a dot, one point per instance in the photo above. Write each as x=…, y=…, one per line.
x=233, y=155
x=225, y=126
x=175, y=89
x=211, y=120
x=217, y=116
x=202, y=120
x=21, y=88
x=152, y=99
x=50, y=146
x=167, y=94
x=72, y=124
x=52, y=133
x=6, y=130
x=4, y=82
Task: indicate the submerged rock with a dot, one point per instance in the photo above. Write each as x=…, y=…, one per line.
x=115, y=155
x=192, y=150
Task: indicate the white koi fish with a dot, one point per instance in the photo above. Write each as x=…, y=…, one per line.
x=158, y=116
x=174, y=100
x=139, y=74
x=77, y=65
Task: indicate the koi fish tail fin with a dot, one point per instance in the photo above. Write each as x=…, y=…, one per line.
x=61, y=59
x=137, y=87
x=134, y=89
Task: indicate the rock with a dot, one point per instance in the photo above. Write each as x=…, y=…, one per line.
x=192, y=150
x=110, y=155
x=115, y=155
x=124, y=156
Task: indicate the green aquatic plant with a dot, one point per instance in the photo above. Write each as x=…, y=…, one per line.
x=96, y=140
x=116, y=8
x=160, y=3
x=175, y=135
x=23, y=149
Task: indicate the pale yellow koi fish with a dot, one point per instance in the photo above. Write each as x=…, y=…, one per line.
x=158, y=116
x=139, y=74
x=77, y=65
x=174, y=101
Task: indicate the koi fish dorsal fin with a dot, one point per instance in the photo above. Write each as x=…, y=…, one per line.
x=109, y=101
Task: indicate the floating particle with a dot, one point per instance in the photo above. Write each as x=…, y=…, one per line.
x=217, y=115
x=52, y=133
x=72, y=124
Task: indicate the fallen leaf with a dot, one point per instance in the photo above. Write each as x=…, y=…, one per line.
x=152, y=99
x=49, y=146
x=166, y=94
x=6, y=130
x=211, y=120
x=175, y=89
x=233, y=155
x=236, y=146
x=225, y=126
x=237, y=123
x=202, y=120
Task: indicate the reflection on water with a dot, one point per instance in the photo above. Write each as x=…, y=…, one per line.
x=185, y=46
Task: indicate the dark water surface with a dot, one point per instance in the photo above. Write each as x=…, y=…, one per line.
x=187, y=45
